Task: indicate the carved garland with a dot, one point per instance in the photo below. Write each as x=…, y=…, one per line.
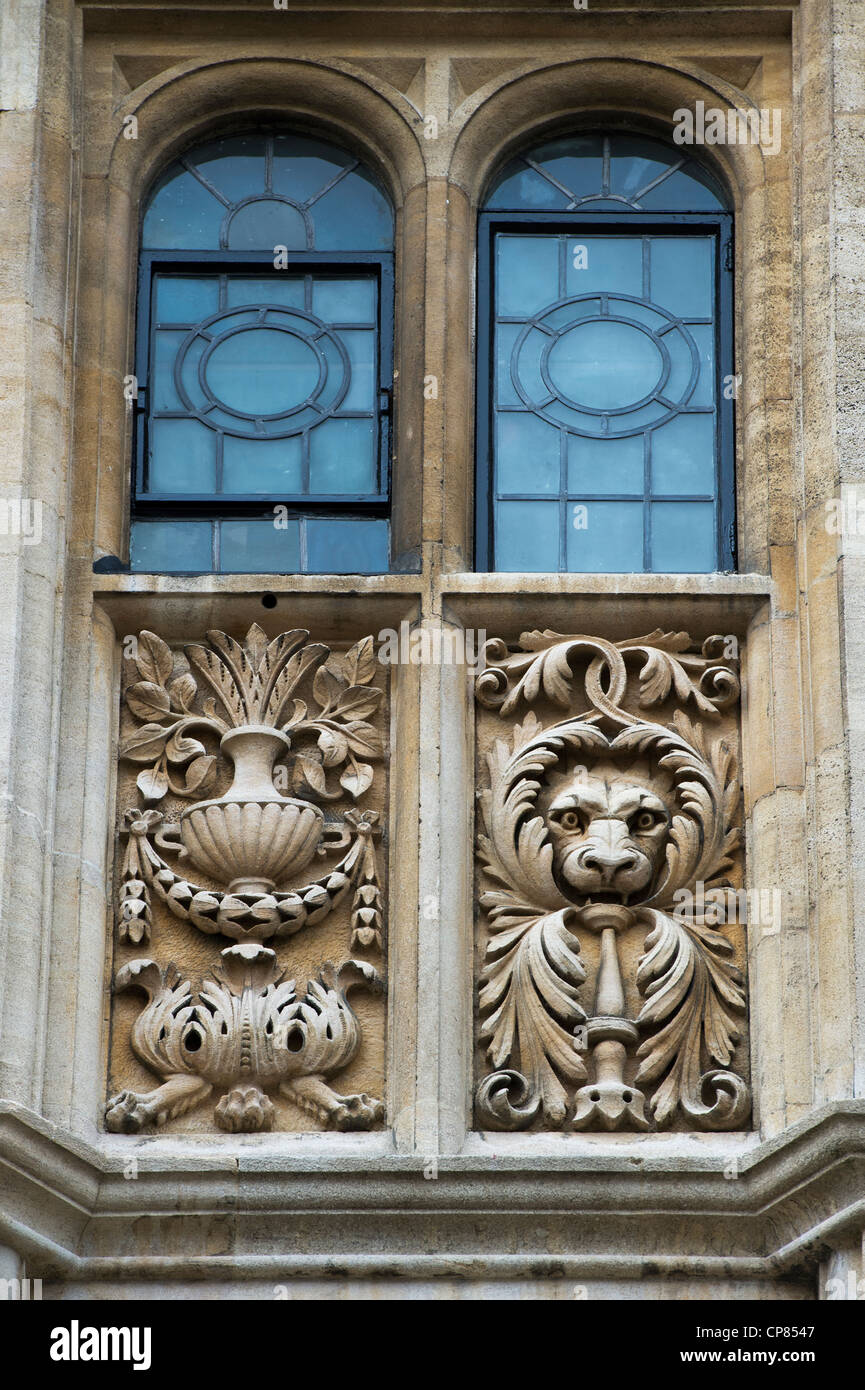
x=608, y=855
x=245, y=1029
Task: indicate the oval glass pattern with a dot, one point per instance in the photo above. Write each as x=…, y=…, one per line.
x=597, y=369
x=606, y=350
x=260, y=371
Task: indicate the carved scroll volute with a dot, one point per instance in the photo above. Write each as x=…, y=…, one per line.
x=604, y=828
x=268, y=750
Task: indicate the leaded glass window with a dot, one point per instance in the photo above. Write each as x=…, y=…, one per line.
x=264, y=362
x=604, y=349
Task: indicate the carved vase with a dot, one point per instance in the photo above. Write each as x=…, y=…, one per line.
x=253, y=836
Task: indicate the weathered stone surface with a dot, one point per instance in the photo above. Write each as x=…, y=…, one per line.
x=741, y=1213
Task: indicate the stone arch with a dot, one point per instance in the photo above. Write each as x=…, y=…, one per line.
x=506, y=115
x=511, y=112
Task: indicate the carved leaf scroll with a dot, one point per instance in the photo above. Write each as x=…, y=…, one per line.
x=533, y=1004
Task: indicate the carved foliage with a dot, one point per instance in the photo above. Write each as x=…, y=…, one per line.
x=602, y=824
x=285, y=723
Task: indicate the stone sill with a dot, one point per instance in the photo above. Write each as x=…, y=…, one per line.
x=68, y=1208
x=335, y=607
x=619, y=605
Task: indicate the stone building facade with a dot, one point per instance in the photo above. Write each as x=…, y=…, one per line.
x=333, y=959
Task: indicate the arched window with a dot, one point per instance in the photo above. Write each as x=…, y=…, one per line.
x=605, y=354
x=264, y=362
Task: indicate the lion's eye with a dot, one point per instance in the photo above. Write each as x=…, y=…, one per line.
x=569, y=820
x=646, y=820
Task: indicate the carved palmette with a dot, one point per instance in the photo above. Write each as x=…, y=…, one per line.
x=243, y=1028
x=605, y=824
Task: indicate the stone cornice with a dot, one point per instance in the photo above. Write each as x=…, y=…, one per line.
x=266, y=1210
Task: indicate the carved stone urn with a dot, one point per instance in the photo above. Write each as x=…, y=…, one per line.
x=253, y=836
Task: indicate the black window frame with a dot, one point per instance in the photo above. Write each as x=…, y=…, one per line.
x=248, y=506
x=637, y=223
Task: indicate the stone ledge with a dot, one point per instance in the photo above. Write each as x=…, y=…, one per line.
x=619, y=605
x=181, y=606
x=71, y=1213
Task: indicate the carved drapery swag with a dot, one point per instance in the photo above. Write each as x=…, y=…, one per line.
x=269, y=755
x=610, y=997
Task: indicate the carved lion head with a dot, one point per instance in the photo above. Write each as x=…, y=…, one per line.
x=608, y=827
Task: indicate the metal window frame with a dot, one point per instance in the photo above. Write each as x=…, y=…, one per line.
x=214, y=506
x=720, y=225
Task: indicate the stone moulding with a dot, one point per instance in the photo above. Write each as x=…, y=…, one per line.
x=607, y=824
x=244, y=1028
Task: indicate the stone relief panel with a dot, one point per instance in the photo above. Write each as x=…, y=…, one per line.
x=249, y=916
x=610, y=943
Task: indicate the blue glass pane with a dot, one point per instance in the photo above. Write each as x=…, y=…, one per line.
x=235, y=166
x=688, y=190
x=683, y=537
x=571, y=312
x=303, y=167
x=354, y=545
x=577, y=419
x=272, y=467
x=165, y=349
x=637, y=162
x=527, y=536
x=266, y=224
x=608, y=263
x=183, y=547
x=185, y=299
x=520, y=187
x=683, y=456
x=529, y=359
x=576, y=163
x=220, y=196
x=682, y=279
x=182, y=215
x=506, y=336
x=684, y=367
x=605, y=465
x=262, y=371
x=283, y=289
x=528, y=453
x=260, y=547
x=183, y=457
x=605, y=365
x=605, y=537
x=576, y=177
x=704, y=337
x=342, y=457
x=345, y=301
x=352, y=215
x=361, y=349
x=527, y=273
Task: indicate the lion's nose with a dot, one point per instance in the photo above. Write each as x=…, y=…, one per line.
x=605, y=853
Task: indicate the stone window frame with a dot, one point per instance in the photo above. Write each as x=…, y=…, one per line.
x=383, y=126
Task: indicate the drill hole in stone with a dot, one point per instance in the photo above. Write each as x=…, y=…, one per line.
x=268, y=600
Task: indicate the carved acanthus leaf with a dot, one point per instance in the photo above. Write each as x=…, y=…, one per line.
x=596, y=823
x=693, y=992
x=530, y=1007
